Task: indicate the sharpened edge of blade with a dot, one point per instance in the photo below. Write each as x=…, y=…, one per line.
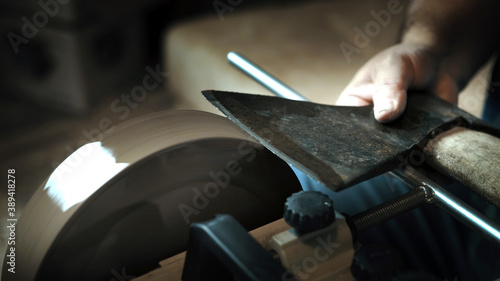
x=208, y=94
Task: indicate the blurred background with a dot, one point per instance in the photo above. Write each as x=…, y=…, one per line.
x=65, y=67
x=70, y=69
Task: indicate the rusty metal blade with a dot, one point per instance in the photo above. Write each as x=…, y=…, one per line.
x=338, y=145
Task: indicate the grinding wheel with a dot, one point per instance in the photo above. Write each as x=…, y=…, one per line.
x=119, y=205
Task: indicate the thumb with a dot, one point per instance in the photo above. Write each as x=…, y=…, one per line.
x=389, y=103
x=389, y=98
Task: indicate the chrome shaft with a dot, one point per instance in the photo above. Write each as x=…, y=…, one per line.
x=451, y=204
x=265, y=79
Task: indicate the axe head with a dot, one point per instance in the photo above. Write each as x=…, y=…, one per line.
x=340, y=146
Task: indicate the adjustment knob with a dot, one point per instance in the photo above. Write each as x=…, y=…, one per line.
x=307, y=211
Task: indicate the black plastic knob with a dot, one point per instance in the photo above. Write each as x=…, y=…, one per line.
x=308, y=211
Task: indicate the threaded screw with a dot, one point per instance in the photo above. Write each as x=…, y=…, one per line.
x=390, y=209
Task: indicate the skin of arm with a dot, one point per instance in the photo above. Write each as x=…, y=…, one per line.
x=443, y=43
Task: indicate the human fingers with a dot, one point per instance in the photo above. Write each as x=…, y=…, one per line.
x=447, y=88
x=390, y=90
x=356, y=95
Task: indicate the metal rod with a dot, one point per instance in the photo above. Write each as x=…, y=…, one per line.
x=264, y=78
x=451, y=204
x=408, y=175
x=389, y=209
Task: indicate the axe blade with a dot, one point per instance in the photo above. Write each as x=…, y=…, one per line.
x=339, y=146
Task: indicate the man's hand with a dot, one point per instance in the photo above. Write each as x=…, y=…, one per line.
x=443, y=44
x=385, y=79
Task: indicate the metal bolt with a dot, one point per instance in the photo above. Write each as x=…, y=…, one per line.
x=390, y=209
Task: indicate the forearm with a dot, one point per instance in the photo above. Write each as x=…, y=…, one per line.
x=462, y=33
